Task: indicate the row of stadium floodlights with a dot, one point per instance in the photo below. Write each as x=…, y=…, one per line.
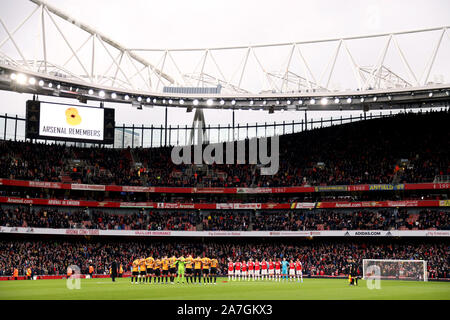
x=22, y=79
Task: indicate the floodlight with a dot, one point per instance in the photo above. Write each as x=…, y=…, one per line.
x=21, y=78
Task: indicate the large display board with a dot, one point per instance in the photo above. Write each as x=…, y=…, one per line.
x=64, y=122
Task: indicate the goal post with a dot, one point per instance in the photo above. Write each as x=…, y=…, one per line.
x=392, y=269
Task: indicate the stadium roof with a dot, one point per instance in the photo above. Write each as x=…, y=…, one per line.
x=265, y=76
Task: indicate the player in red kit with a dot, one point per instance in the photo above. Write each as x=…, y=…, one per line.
x=251, y=272
x=278, y=270
x=291, y=270
x=244, y=270
x=298, y=270
x=237, y=270
x=264, y=269
x=230, y=269
x=271, y=269
x=257, y=269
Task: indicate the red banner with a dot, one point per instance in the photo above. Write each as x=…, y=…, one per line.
x=339, y=188
x=226, y=206
x=379, y=204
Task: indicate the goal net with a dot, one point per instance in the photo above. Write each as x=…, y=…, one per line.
x=395, y=269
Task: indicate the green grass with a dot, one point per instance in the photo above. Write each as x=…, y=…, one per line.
x=328, y=289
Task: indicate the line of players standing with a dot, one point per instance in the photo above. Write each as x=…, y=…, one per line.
x=183, y=269
x=269, y=270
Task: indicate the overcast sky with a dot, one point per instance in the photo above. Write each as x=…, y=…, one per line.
x=203, y=23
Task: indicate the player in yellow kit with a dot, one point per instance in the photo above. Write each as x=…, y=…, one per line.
x=197, y=269
x=172, y=268
x=205, y=270
x=157, y=269
x=149, y=264
x=142, y=270
x=165, y=269
x=189, y=269
x=135, y=270
x=213, y=271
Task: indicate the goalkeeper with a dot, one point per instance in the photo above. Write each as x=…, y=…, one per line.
x=180, y=263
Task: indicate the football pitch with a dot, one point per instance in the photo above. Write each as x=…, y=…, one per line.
x=315, y=289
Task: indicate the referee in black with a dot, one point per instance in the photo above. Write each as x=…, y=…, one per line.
x=353, y=272
x=114, y=271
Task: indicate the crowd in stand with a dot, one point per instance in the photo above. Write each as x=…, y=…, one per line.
x=62, y=194
x=374, y=151
x=383, y=219
x=95, y=219
x=318, y=257
x=223, y=220
x=226, y=221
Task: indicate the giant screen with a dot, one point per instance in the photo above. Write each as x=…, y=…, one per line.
x=69, y=122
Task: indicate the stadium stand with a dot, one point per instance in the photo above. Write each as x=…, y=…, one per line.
x=333, y=156
x=188, y=220
x=328, y=156
x=319, y=257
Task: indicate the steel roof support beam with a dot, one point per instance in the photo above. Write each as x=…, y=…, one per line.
x=433, y=57
x=19, y=26
x=15, y=44
x=115, y=62
x=405, y=62
x=377, y=69
x=90, y=30
x=178, y=69
x=68, y=44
